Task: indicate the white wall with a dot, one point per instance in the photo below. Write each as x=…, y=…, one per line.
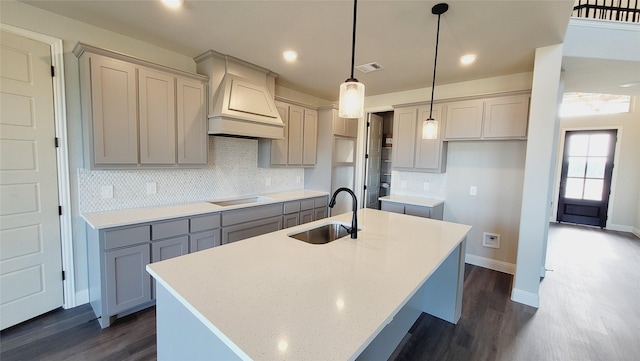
x=128, y=183
x=636, y=228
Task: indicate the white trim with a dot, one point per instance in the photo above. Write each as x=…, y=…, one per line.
x=543, y=271
x=64, y=189
x=525, y=297
x=500, y=266
x=603, y=24
x=82, y=296
x=636, y=231
x=620, y=228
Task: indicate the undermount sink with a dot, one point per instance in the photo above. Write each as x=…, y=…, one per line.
x=323, y=234
x=235, y=202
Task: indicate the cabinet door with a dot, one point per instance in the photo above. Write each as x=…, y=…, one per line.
x=204, y=240
x=339, y=125
x=296, y=124
x=280, y=147
x=169, y=248
x=418, y=211
x=114, y=111
x=404, y=132
x=506, y=117
x=320, y=213
x=192, y=138
x=310, y=137
x=464, y=120
x=306, y=216
x=290, y=220
x=250, y=229
x=156, y=94
x=128, y=283
x=429, y=152
x=351, y=127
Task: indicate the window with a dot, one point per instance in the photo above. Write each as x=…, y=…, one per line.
x=576, y=104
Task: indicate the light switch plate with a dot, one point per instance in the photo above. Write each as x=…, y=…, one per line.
x=426, y=186
x=473, y=190
x=107, y=192
x=151, y=188
x=268, y=182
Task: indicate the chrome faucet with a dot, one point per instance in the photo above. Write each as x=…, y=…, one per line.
x=353, y=231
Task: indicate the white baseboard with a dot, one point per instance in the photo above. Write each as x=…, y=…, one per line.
x=636, y=231
x=524, y=297
x=82, y=297
x=620, y=228
x=490, y=263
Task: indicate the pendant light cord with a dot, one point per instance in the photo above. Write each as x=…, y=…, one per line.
x=435, y=63
x=353, y=40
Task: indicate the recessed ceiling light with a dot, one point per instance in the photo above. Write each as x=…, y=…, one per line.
x=174, y=4
x=467, y=59
x=290, y=55
x=630, y=84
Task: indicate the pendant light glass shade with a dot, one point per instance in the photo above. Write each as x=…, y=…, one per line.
x=351, y=103
x=430, y=129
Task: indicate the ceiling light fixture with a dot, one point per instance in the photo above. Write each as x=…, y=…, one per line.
x=174, y=4
x=351, y=103
x=430, y=125
x=290, y=55
x=467, y=59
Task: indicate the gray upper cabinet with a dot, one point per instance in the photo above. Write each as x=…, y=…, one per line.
x=502, y=117
x=410, y=151
x=140, y=114
x=299, y=148
x=110, y=102
x=156, y=94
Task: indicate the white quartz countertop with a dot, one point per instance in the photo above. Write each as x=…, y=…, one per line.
x=124, y=217
x=416, y=201
x=273, y=297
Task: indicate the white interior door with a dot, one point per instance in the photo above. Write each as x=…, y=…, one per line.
x=374, y=147
x=30, y=248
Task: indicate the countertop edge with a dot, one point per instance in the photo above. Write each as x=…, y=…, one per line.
x=416, y=201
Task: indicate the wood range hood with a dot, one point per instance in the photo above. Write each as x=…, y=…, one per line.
x=242, y=102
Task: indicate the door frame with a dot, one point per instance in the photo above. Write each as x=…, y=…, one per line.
x=558, y=172
x=62, y=158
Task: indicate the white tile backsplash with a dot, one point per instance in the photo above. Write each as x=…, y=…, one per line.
x=415, y=184
x=232, y=172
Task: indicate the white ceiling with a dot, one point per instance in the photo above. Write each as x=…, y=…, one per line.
x=400, y=35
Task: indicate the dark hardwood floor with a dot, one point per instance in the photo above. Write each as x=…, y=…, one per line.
x=590, y=310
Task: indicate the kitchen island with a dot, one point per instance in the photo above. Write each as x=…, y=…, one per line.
x=274, y=297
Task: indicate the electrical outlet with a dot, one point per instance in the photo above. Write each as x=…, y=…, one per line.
x=298, y=179
x=268, y=182
x=473, y=190
x=151, y=188
x=491, y=240
x=107, y=192
x=425, y=186
x=403, y=184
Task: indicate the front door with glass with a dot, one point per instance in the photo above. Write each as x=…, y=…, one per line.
x=585, y=181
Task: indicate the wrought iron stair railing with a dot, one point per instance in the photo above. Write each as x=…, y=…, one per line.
x=615, y=10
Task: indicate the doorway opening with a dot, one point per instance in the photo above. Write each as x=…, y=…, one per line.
x=585, y=178
x=377, y=166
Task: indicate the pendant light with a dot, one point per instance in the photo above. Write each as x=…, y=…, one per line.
x=351, y=104
x=430, y=125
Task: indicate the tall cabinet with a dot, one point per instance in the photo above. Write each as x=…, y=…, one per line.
x=139, y=114
x=335, y=166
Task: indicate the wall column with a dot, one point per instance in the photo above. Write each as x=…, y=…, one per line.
x=538, y=173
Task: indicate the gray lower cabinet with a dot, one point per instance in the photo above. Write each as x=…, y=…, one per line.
x=204, y=240
x=290, y=220
x=306, y=216
x=169, y=248
x=413, y=210
x=127, y=283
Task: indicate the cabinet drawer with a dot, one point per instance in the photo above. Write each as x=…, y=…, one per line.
x=251, y=213
x=126, y=237
x=320, y=202
x=417, y=211
x=169, y=229
x=392, y=207
x=291, y=207
x=203, y=223
x=307, y=204
x=251, y=229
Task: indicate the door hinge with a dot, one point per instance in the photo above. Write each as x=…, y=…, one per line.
x=53, y=71
x=368, y=124
x=63, y=276
x=366, y=156
x=57, y=142
x=365, y=187
x=59, y=210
